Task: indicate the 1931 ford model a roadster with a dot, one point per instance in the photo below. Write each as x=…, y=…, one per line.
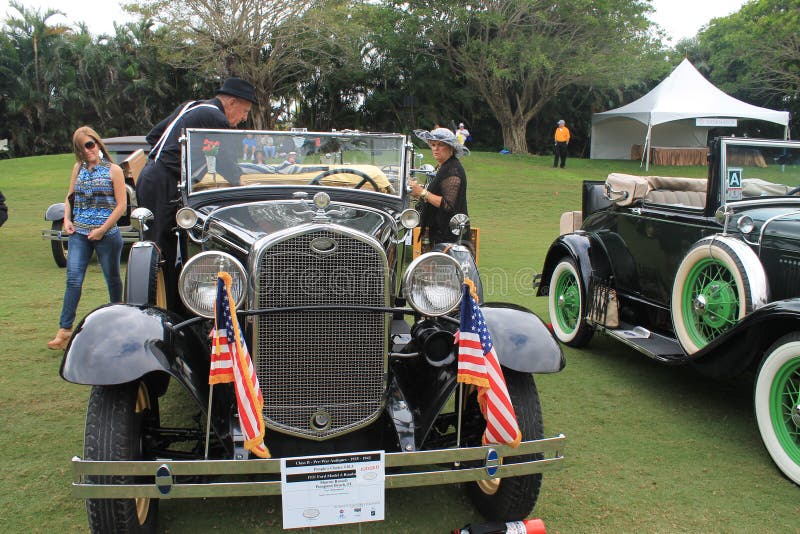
x=352, y=340
x=703, y=272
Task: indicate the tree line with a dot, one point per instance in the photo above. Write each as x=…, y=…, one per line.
x=508, y=69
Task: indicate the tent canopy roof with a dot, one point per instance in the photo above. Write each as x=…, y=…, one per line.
x=686, y=94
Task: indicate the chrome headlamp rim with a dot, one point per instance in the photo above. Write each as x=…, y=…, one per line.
x=409, y=218
x=408, y=280
x=745, y=224
x=186, y=218
x=234, y=268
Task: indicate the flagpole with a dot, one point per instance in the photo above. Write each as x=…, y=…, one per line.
x=208, y=419
x=458, y=423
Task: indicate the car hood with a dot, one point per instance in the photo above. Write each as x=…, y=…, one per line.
x=782, y=222
x=252, y=221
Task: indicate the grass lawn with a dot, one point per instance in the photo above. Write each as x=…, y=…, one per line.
x=650, y=448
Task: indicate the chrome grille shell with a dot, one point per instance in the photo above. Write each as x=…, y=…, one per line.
x=311, y=363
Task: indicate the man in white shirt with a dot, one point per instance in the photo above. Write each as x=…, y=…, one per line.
x=461, y=134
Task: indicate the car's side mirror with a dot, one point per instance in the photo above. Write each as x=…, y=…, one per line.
x=426, y=170
x=458, y=223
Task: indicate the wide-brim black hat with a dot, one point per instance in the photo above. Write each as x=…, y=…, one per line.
x=239, y=88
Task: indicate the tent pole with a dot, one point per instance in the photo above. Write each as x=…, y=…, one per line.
x=644, y=146
x=647, y=147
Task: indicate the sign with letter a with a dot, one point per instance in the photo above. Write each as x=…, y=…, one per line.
x=734, y=189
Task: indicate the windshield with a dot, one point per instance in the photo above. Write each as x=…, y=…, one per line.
x=236, y=158
x=758, y=169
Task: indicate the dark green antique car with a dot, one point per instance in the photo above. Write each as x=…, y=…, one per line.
x=695, y=271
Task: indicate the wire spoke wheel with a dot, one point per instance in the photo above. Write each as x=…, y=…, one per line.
x=785, y=408
x=719, y=282
x=567, y=305
x=710, y=301
x=777, y=404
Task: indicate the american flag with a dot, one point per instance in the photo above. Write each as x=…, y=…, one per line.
x=230, y=362
x=478, y=365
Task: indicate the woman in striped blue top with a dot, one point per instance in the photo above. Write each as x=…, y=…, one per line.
x=91, y=222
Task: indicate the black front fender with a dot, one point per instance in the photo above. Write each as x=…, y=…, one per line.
x=119, y=343
x=55, y=212
x=576, y=246
x=522, y=340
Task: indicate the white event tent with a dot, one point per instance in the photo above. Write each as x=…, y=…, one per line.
x=666, y=116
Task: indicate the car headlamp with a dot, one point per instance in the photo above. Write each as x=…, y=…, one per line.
x=432, y=284
x=198, y=281
x=745, y=224
x=409, y=218
x=186, y=218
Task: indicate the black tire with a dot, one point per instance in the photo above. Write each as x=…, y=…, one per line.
x=116, y=419
x=144, y=278
x=566, y=302
x=59, y=247
x=512, y=499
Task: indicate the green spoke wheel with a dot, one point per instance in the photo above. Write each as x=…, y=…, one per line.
x=710, y=301
x=713, y=290
x=777, y=404
x=567, y=305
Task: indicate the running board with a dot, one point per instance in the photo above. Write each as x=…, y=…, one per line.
x=661, y=348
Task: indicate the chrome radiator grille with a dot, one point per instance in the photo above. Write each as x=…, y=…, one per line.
x=322, y=364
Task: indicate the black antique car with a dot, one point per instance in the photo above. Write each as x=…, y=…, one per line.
x=352, y=339
x=695, y=271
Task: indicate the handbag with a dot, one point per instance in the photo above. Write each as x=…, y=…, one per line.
x=605, y=308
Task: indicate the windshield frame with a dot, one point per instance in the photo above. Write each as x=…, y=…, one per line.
x=730, y=195
x=384, y=156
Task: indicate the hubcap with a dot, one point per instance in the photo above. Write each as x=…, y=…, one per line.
x=710, y=301
x=699, y=304
x=796, y=415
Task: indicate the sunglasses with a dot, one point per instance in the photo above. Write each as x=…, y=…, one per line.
x=88, y=145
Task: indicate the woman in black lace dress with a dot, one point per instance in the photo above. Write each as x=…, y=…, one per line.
x=446, y=193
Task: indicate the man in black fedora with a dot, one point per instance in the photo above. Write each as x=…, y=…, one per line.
x=157, y=185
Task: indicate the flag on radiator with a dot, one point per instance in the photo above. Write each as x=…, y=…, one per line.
x=230, y=362
x=478, y=365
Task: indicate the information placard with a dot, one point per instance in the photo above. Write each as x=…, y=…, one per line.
x=333, y=489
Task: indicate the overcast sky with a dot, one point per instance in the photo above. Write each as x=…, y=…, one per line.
x=680, y=18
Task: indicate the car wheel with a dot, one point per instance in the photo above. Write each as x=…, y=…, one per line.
x=777, y=404
x=59, y=247
x=567, y=305
x=116, y=422
x=513, y=498
x=144, y=279
x=711, y=292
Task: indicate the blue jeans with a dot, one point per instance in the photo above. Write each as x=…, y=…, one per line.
x=79, y=252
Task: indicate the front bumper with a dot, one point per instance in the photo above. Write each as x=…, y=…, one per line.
x=128, y=235
x=235, y=478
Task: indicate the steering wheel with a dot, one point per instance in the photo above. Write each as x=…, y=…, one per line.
x=793, y=191
x=365, y=178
